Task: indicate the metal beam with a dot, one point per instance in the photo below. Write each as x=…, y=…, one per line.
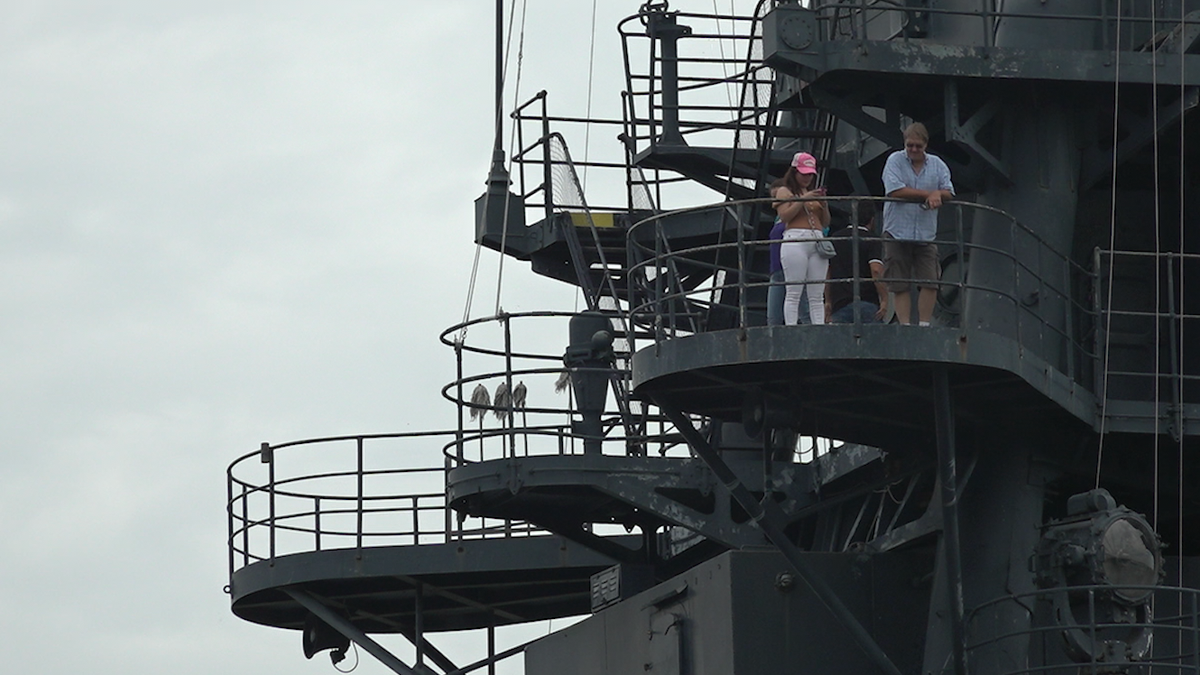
x=850, y=111
x=965, y=133
x=943, y=408
x=461, y=599
x=768, y=517
x=343, y=626
x=1142, y=132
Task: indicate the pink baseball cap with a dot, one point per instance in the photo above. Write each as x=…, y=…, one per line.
x=804, y=162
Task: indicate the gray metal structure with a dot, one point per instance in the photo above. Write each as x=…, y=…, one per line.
x=978, y=503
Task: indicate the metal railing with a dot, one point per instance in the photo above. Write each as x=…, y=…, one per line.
x=695, y=92
x=345, y=492
x=1134, y=26
x=547, y=177
x=1025, y=635
x=720, y=96
x=1148, y=327
x=1042, y=294
x=523, y=352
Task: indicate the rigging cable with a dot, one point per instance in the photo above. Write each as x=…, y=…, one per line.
x=1180, y=305
x=503, y=68
x=1157, y=251
x=721, y=47
x=1155, y=263
x=1157, y=259
x=587, y=125
x=1112, y=241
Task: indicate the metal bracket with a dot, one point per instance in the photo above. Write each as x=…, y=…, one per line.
x=964, y=134
x=341, y=625
x=770, y=519
x=1181, y=39
x=1142, y=132
x=850, y=111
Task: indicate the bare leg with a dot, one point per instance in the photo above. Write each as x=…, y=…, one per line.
x=903, y=306
x=926, y=299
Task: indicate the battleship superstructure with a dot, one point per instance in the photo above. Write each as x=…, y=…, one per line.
x=1006, y=491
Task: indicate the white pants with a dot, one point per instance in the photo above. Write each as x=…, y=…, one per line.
x=803, y=267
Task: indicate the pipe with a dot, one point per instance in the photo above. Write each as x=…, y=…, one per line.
x=943, y=410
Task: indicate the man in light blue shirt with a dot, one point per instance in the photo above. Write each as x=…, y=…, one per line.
x=909, y=229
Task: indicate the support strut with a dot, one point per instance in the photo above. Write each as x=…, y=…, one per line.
x=769, y=518
x=943, y=410
x=341, y=625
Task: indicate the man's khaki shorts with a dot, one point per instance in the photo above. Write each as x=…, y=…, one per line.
x=910, y=261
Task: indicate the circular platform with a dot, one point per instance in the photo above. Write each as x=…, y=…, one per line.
x=465, y=584
x=872, y=384
x=570, y=488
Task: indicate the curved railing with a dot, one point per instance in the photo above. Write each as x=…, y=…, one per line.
x=1041, y=291
x=1024, y=637
x=501, y=355
x=1141, y=320
x=1124, y=29
x=723, y=88
x=345, y=492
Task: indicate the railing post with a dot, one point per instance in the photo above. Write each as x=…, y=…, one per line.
x=317, y=521
x=268, y=455
x=229, y=517
x=960, y=236
x=518, y=158
x=1015, y=261
x=1195, y=631
x=658, y=283
x=459, y=436
x=506, y=320
x=741, y=262
x=1069, y=319
x=1092, y=625
x=1100, y=332
x=491, y=644
x=419, y=623
x=856, y=274
x=359, y=510
x=245, y=527
x=416, y=518
x=1173, y=341
x=986, y=13
x=547, y=158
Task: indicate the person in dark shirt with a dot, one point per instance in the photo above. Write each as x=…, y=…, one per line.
x=777, y=289
x=872, y=305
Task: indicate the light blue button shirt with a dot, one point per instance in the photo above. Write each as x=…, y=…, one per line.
x=911, y=222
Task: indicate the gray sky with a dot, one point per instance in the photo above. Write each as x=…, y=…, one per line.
x=223, y=223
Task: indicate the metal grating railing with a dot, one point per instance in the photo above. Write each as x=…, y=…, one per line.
x=1026, y=636
x=346, y=492
x=524, y=351
x=1044, y=296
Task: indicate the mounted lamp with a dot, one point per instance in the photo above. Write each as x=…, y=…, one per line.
x=1101, y=563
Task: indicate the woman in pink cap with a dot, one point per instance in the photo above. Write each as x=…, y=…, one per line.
x=805, y=222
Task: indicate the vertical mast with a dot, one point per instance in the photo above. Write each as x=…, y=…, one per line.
x=498, y=172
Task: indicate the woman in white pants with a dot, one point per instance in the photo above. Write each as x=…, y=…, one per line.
x=803, y=267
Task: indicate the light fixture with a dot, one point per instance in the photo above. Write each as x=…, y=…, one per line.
x=1101, y=564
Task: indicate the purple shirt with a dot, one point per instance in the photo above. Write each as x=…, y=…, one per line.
x=775, y=236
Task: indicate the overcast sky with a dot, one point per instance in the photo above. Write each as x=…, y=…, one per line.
x=223, y=223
